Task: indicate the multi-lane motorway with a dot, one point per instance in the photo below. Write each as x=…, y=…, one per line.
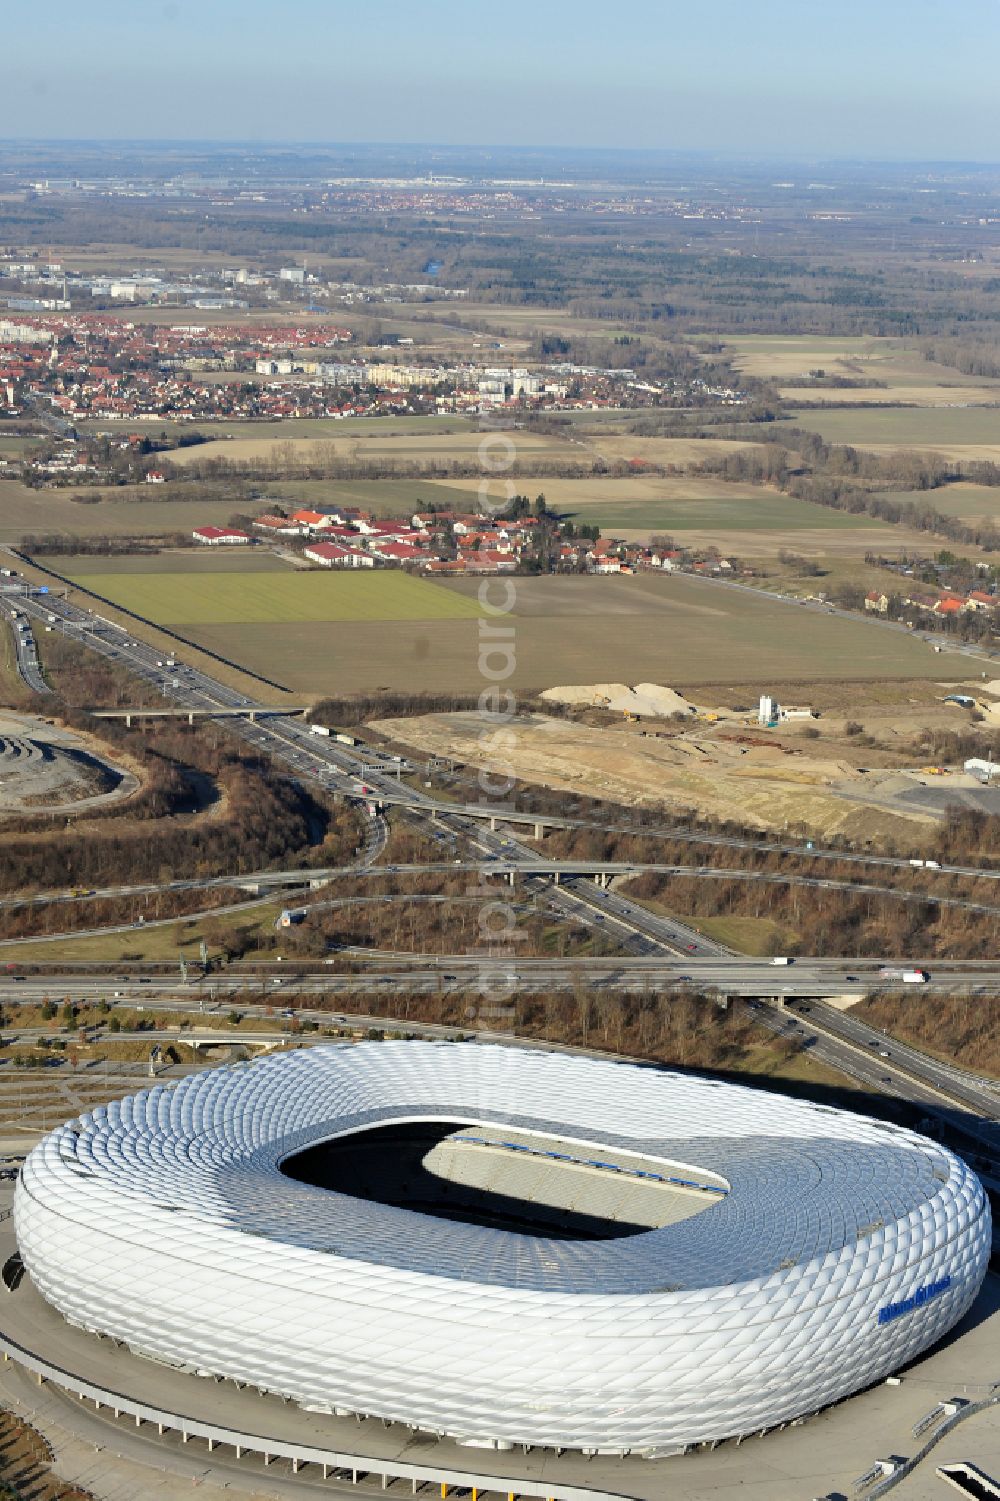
x=333, y=766
x=657, y=951
x=26, y=654
x=967, y=1104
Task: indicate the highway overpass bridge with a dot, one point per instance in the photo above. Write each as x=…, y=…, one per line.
x=252, y=712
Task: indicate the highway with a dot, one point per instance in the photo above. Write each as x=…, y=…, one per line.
x=338, y=770
x=967, y=1105
x=725, y=975
x=26, y=654
x=290, y=740
x=300, y=877
x=652, y=944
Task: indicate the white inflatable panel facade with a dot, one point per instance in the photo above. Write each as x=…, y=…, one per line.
x=843, y=1247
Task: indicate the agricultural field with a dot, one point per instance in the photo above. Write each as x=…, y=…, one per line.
x=25, y=512
x=173, y=561
x=393, y=446
x=145, y=511
x=897, y=394
x=568, y=629
x=747, y=520
x=295, y=427
x=682, y=453
x=974, y=431
x=228, y=597
x=380, y=497
x=967, y=501
x=908, y=378
x=702, y=506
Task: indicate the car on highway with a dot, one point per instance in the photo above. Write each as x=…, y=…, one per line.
x=884, y=1053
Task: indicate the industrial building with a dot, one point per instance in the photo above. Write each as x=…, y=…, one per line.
x=506, y=1246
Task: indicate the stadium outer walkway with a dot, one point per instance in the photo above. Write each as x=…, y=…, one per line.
x=820, y=1457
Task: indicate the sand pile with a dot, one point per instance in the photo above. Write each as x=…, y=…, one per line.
x=648, y=699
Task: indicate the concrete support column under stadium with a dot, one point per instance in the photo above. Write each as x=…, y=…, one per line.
x=601, y=879
x=539, y=830
x=253, y=716
x=510, y=878
x=191, y=717
x=493, y=824
x=128, y=721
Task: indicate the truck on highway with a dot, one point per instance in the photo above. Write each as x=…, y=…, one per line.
x=319, y=729
x=915, y=977
x=781, y=959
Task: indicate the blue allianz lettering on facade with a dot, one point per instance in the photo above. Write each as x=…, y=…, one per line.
x=915, y=1300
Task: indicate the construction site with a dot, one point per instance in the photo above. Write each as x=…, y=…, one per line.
x=771, y=765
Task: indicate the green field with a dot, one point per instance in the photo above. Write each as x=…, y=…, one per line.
x=227, y=598
x=909, y=427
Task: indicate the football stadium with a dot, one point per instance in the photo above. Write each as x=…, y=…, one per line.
x=503, y=1245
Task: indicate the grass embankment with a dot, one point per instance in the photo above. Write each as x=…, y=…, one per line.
x=757, y=936
x=13, y=693
x=147, y=945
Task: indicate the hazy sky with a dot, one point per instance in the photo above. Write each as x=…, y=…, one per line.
x=901, y=78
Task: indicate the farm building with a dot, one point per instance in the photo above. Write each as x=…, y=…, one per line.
x=332, y=555
x=312, y=521
x=278, y=526
x=398, y=552
x=219, y=536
